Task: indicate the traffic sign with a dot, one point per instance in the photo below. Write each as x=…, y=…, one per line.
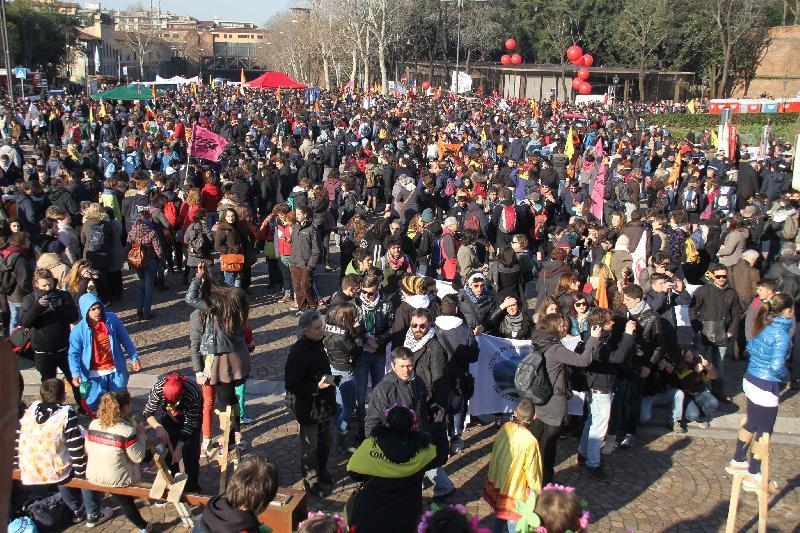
x=20, y=73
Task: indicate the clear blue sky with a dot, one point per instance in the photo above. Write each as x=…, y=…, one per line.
x=240, y=10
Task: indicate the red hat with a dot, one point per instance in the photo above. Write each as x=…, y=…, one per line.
x=173, y=387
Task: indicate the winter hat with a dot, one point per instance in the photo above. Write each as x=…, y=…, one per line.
x=412, y=285
x=622, y=243
x=427, y=215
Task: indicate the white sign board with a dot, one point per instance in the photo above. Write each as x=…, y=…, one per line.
x=464, y=82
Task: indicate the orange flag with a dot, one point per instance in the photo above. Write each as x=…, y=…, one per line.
x=243, y=79
x=675, y=171
x=601, y=294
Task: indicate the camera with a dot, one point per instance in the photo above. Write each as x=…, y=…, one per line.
x=332, y=380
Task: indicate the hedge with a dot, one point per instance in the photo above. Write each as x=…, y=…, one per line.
x=707, y=120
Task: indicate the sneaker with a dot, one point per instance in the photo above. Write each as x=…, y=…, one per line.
x=456, y=445
x=609, y=448
x=628, y=441
x=245, y=420
x=597, y=472
x=704, y=424
x=103, y=515
x=678, y=427
x=78, y=516
x=737, y=467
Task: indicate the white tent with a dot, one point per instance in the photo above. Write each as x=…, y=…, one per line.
x=176, y=80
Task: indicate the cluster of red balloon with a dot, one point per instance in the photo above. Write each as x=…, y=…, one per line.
x=513, y=59
x=579, y=59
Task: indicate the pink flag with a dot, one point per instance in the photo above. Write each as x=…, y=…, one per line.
x=206, y=144
x=348, y=87
x=599, y=189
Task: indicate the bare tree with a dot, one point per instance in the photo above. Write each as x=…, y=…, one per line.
x=733, y=19
x=642, y=29
x=142, y=40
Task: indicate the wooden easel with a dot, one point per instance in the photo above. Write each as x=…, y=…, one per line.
x=224, y=456
x=760, y=451
x=172, y=485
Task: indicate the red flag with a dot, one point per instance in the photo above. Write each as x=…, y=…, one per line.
x=206, y=144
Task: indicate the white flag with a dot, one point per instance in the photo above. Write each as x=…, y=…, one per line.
x=96, y=59
x=640, y=256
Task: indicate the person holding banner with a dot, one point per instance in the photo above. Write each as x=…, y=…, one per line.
x=547, y=425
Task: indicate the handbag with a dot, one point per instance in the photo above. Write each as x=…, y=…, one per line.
x=20, y=339
x=50, y=513
x=232, y=262
x=714, y=332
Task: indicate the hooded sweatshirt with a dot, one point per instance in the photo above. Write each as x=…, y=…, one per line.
x=219, y=516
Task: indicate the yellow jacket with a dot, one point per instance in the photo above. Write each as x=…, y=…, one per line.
x=515, y=469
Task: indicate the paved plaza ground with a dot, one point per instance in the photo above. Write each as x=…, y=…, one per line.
x=667, y=482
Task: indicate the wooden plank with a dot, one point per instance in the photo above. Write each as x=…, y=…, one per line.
x=281, y=518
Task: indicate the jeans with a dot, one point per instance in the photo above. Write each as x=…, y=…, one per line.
x=233, y=279
x=103, y=384
x=701, y=405
x=345, y=398
x=504, y=526
x=596, y=427
x=670, y=395
x=13, y=317
x=75, y=499
x=315, y=447
x=369, y=366
x=716, y=354
x=456, y=413
x=441, y=481
x=286, y=278
x=147, y=283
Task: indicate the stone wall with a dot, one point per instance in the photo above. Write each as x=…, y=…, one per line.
x=780, y=60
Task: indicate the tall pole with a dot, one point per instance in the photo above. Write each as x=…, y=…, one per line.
x=7, y=54
x=458, y=45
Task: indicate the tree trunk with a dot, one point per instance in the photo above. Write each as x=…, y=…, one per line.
x=641, y=80
x=326, y=73
x=353, y=64
x=726, y=61
x=366, y=65
x=564, y=80
x=382, y=66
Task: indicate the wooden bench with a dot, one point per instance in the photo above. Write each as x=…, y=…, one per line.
x=281, y=517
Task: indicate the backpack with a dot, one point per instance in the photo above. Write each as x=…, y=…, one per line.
x=436, y=253
x=531, y=379
x=690, y=250
x=199, y=244
x=449, y=187
x=691, y=200
x=471, y=222
x=8, y=278
x=726, y=199
x=50, y=513
x=539, y=227
x=623, y=193
x=789, y=228
x=508, y=219
x=136, y=257
x=96, y=238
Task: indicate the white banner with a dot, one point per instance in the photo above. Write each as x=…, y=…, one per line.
x=494, y=374
x=796, y=173
x=443, y=288
x=640, y=256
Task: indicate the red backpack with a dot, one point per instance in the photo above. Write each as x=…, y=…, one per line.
x=508, y=219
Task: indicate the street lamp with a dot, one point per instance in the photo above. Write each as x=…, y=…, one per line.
x=460, y=5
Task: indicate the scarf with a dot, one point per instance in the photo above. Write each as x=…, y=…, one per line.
x=369, y=313
x=476, y=299
x=396, y=264
x=417, y=301
x=640, y=308
x=415, y=345
x=514, y=322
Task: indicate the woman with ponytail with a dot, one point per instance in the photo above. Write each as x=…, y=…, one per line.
x=115, y=447
x=766, y=371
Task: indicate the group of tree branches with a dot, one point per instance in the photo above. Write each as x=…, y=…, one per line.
x=335, y=41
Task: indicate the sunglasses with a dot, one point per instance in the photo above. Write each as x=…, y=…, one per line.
x=720, y=276
x=419, y=326
x=369, y=293
x=580, y=304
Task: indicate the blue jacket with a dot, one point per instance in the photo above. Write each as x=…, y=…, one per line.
x=80, y=341
x=769, y=349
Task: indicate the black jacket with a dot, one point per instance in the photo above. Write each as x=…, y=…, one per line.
x=709, y=302
x=429, y=366
x=477, y=314
x=50, y=326
x=391, y=391
x=614, y=349
x=343, y=348
x=650, y=342
x=306, y=363
x=219, y=516
x=305, y=246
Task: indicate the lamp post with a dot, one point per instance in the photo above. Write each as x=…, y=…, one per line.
x=460, y=6
x=7, y=54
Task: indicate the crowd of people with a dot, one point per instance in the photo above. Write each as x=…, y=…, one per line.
x=636, y=263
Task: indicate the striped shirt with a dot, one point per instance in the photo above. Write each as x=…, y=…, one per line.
x=190, y=404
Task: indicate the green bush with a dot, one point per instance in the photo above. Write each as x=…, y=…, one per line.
x=783, y=125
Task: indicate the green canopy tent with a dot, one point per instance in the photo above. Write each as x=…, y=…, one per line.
x=126, y=93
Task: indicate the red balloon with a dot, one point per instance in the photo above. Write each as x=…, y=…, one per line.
x=516, y=59
x=579, y=62
x=511, y=44
x=576, y=83
x=505, y=59
x=574, y=52
x=426, y=85
x=588, y=60
x=583, y=73
x=586, y=88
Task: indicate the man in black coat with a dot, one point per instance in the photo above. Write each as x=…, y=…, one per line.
x=747, y=184
x=311, y=398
